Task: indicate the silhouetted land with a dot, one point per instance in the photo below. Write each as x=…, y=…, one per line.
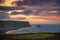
x=12, y=25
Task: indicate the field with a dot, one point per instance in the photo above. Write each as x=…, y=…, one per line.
x=31, y=36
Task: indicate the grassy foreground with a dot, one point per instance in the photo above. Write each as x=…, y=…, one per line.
x=27, y=36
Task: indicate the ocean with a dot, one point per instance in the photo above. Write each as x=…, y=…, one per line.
x=49, y=28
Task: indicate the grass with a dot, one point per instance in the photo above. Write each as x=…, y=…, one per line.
x=27, y=36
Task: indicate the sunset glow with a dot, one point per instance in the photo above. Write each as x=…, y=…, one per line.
x=9, y=12
x=44, y=19
x=39, y=12
x=17, y=16
x=38, y=19
x=7, y=2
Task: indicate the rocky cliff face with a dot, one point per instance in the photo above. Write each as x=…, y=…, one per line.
x=13, y=25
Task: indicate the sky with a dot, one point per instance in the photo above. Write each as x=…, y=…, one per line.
x=33, y=2
x=36, y=11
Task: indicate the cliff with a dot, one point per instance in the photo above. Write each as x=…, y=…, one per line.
x=12, y=25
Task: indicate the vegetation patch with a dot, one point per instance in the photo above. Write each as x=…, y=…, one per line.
x=27, y=36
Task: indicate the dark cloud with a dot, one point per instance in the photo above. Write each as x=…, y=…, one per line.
x=57, y=2
x=39, y=2
x=3, y=15
x=15, y=13
x=5, y=8
x=27, y=12
x=2, y=1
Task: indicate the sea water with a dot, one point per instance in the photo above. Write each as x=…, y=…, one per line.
x=50, y=28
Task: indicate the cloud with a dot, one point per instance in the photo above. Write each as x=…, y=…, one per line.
x=6, y=8
x=57, y=2
x=3, y=15
x=43, y=11
x=38, y=2
x=50, y=13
